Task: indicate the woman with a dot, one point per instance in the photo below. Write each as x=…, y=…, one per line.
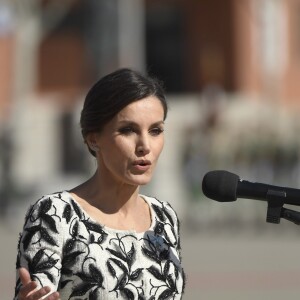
x=103, y=239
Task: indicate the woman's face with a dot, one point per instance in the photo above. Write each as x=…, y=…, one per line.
x=130, y=144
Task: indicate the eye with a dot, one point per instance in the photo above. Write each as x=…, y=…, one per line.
x=156, y=131
x=126, y=130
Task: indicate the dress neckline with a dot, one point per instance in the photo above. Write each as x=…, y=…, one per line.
x=114, y=230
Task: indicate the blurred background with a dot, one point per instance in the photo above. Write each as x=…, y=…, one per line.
x=231, y=70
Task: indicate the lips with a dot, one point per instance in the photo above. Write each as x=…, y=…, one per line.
x=142, y=162
x=142, y=165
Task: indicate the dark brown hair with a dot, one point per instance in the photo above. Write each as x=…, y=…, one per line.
x=112, y=93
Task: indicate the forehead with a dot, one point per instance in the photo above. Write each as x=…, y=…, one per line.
x=149, y=108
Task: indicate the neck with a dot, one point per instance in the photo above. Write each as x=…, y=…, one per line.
x=107, y=195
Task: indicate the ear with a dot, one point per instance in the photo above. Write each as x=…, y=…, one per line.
x=92, y=141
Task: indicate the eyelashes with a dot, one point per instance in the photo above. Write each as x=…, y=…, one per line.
x=156, y=131
x=128, y=130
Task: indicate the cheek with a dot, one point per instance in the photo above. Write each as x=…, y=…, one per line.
x=112, y=160
x=124, y=147
x=116, y=150
x=159, y=147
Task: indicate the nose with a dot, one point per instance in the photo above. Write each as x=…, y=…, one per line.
x=143, y=145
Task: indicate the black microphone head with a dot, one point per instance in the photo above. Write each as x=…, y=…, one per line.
x=220, y=185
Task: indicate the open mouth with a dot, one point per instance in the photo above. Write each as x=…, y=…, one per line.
x=142, y=163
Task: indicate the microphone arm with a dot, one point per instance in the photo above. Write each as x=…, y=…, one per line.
x=276, y=210
x=291, y=215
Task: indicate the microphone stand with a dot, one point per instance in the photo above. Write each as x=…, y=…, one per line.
x=277, y=211
x=291, y=215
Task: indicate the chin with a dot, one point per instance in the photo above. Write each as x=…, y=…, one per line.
x=141, y=180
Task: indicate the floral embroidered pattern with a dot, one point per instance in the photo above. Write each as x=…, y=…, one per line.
x=64, y=248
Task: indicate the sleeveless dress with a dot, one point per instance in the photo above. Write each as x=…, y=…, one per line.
x=64, y=248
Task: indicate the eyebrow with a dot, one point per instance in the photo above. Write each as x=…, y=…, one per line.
x=129, y=122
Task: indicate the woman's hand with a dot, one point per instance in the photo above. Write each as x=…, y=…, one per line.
x=29, y=289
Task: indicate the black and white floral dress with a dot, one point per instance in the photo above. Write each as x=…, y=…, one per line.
x=64, y=248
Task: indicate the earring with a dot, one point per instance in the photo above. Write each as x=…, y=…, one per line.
x=94, y=147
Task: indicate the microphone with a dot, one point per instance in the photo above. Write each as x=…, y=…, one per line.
x=224, y=186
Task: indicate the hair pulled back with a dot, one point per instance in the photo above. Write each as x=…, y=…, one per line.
x=112, y=93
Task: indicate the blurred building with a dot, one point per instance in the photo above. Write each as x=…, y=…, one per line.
x=244, y=46
x=249, y=46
